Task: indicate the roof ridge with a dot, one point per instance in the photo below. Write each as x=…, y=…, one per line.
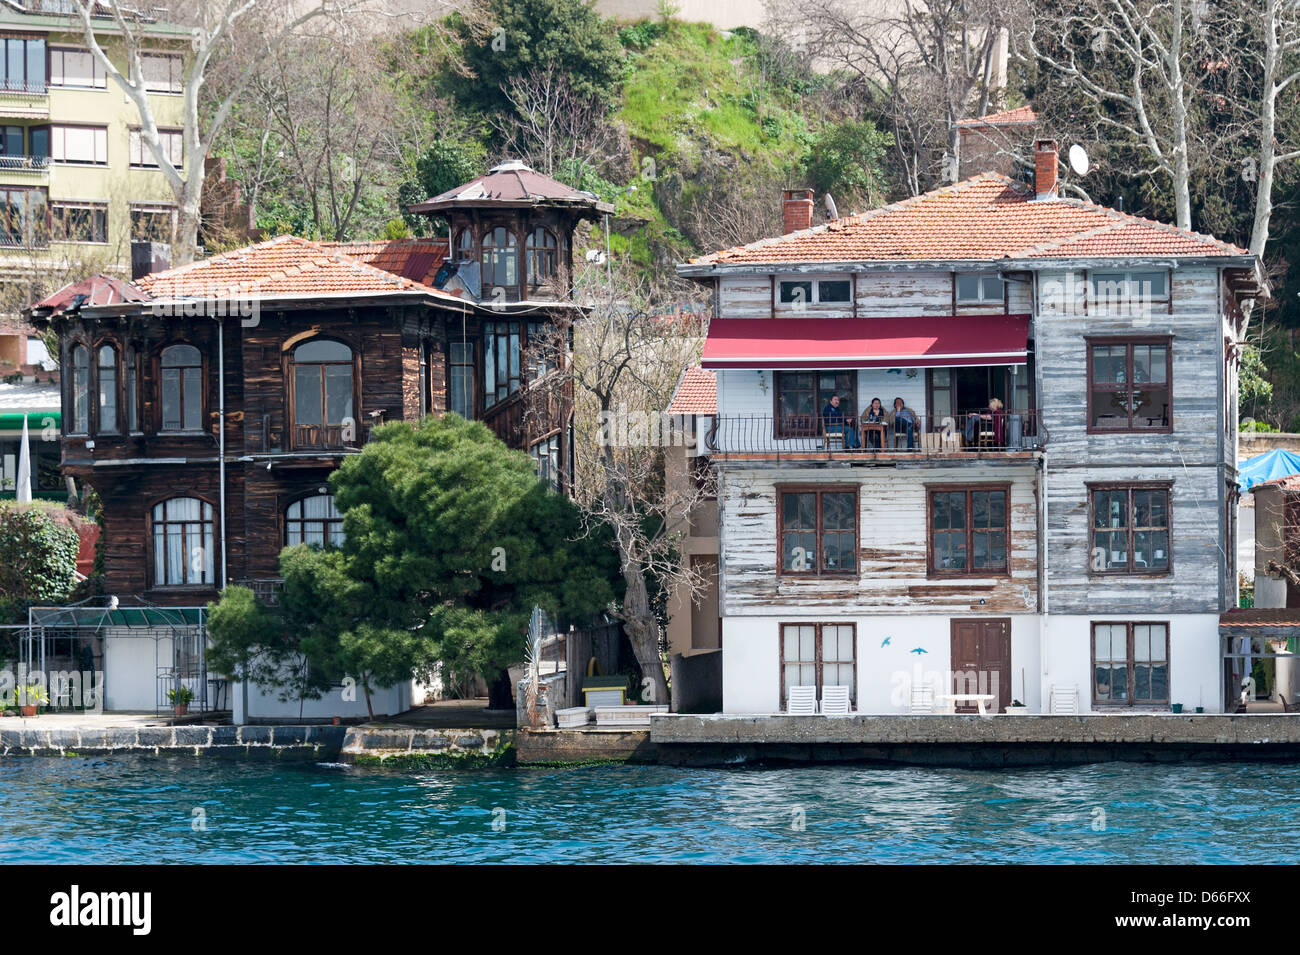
x=1128, y=218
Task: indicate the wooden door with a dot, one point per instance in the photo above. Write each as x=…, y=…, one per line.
x=981, y=660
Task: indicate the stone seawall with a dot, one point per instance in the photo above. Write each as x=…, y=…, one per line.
x=305, y=743
x=414, y=747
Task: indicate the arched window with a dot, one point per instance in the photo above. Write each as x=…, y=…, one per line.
x=464, y=245
x=183, y=542
x=107, y=372
x=322, y=393
x=540, y=253
x=182, y=400
x=500, y=261
x=132, y=391
x=313, y=520
x=80, y=389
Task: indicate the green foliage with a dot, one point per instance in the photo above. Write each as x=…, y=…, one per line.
x=642, y=34
x=180, y=696
x=444, y=165
x=38, y=560
x=533, y=34
x=848, y=160
x=1254, y=390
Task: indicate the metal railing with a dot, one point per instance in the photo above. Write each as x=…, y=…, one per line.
x=30, y=163
x=973, y=432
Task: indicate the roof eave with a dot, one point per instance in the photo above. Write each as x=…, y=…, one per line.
x=1022, y=264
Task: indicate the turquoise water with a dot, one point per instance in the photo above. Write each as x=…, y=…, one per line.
x=116, y=810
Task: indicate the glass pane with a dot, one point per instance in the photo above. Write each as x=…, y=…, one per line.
x=307, y=395
x=795, y=293
x=322, y=350
x=830, y=292
x=193, y=400
x=968, y=288
x=177, y=356
x=338, y=393
x=1141, y=643
x=171, y=399
x=1159, y=641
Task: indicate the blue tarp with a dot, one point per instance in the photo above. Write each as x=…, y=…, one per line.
x=1267, y=467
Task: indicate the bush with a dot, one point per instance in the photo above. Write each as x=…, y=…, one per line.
x=38, y=560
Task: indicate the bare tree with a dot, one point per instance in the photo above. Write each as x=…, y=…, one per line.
x=1277, y=59
x=551, y=125
x=236, y=33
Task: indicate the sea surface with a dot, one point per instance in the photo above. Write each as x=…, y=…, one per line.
x=179, y=810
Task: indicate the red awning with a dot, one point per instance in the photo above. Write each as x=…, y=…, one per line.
x=914, y=342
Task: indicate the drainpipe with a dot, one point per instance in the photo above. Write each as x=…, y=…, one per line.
x=221, y=438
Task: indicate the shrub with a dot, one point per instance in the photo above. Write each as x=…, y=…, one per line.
x=38, y=559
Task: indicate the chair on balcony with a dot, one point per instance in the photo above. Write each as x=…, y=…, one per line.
x=922, y=700
x=835, y=701
x=1063, y=699
x=802, y=701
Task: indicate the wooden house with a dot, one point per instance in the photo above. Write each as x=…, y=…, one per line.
x=1049, y=514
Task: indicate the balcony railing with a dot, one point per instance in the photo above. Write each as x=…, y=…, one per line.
x=25, y=163
x=972, y=433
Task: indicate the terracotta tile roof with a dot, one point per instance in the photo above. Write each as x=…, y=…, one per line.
x=98, y=290
x=988, y=216
x=1008, y=117
x=697, y=393
x=1289, y=483
x=286, y=266
x=417, y=259
x=1260, y=617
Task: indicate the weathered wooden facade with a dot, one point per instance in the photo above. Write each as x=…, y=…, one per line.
x=1049, y=515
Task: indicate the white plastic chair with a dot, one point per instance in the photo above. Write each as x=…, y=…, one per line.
x=1063, y=699
x=835, y=701
x=922, y=700
x=802, y=701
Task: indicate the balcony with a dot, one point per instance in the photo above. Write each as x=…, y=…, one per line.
x=24, y=168
x=977, y=435
x=24, y=102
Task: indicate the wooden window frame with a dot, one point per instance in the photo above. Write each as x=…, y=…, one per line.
x=818, y=489
x=931, y=570
x=780, y=432
x=818, y=660
x=1130, y=664
x=119, y=412
x=533, y=253
x=956, y=284
x=99, y=215
x=151, y=523
x=291, y=407
x=1129, y=488
x=1092, y=341
x=73, y=423
x=302, y=522
x=203, y=397
x=474, y=343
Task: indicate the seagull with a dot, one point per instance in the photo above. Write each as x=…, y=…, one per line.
x=885, y=642
x=919, y=650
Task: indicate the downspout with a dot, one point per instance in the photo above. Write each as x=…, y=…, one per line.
x=221, y=438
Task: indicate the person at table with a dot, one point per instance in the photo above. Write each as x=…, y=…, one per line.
x=835, y=421
x=904, y=422
x=875, y=414
x=995, y=416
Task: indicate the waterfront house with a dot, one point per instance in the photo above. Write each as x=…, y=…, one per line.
x=208, y=406
x=1049, y=518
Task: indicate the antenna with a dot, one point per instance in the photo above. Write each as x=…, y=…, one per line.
x=831, y=211
x=1079, y=159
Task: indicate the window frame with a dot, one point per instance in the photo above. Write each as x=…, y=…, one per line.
x=549, y=450
x=39, y=237
x=302, y=521
x=932, y=571
x=98, y=390
x=151, y=542
x=152, y=210
x=820, y=490
x=1130, y=663
x=161, y=418
x=816, y=281
x=173, y=139
x=291, y=380
x=27, y=86
x=175, y=72
x=1129, y=342
x=99, y=217
x=980, y=299
x=99, y=136
x=79, y=348
x=514, y=329
x=818, y=657
x=1129, y=487
x=500, y=256
x=98, y=75
x=1098, y=306
x=533, y=253
x=780, y=430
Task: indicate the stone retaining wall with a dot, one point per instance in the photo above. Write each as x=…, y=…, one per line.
x=306, y=743
x=413, y=746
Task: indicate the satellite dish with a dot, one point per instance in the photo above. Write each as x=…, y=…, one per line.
x=831, y=211
x=1079, y=159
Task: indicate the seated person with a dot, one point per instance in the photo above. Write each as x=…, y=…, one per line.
x=835, y=421
x=875, y=414
x=994, y=415
x=903, y=421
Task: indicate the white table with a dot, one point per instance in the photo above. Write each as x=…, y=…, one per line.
x=979, y=699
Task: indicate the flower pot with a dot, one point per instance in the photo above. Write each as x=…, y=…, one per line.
x=1015, y=710
x=29, y=709
x=1200, y=709
x=181, y=709
x=1177, y=707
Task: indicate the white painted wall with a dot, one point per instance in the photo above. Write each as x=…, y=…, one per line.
x=131, y=670
x=265, y=704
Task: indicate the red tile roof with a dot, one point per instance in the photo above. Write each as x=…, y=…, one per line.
x=98, y=289
x=697, y=393
x=283, y=267
x=988, y=216
x=417, y=259
x=1008, y=117
x=1260, y=617
x=513, y=184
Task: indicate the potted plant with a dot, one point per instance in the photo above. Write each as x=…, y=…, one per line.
x=1016, y=709
x=180, y=698
x=1176, y=707
x=29, y=697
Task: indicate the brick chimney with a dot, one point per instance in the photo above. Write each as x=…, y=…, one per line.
x=1045, y=172
x=797, y=209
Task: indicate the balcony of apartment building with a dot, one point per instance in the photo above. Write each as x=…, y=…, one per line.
x=875, y=390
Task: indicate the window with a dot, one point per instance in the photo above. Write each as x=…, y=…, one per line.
x=540, y=254
x=79, y=145
x=546, y=455
x=1130, y=384
x=501, y=348
x=24, y=216
x=182, y=542
x=501, y=262
x=322, y=393
x=80, y=389
x=182, y=401
x=153, y=223
x=460, y=397
x=79, y=221
x=820, y=655
x=173, y=144
x=465, y=245
x=1126, y=292
x=814, y=292
x=1130, y=664
x=163, y=72
x=978, y=288
x=969, y=530
x=801, y=396
x=313, y=520
x=107, y=379
x=14, y=153
x=818, y=531
x=76, y=68
x=132, y=392
x=23, y=64
x=1126, y=521
x=543, y=342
